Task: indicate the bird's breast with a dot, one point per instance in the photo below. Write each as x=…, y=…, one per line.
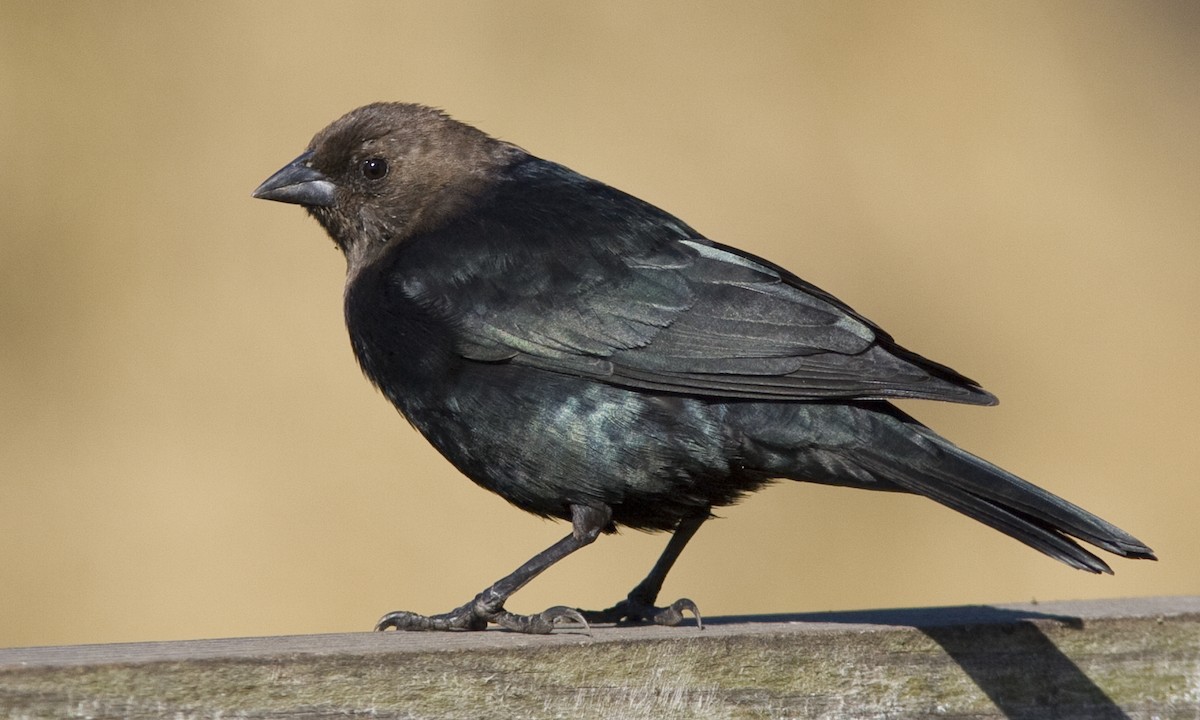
x=402, y=347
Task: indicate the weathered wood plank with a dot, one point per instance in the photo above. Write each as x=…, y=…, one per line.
x=1093, y=659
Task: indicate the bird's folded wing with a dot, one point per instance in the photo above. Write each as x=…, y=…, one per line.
x=697, y=318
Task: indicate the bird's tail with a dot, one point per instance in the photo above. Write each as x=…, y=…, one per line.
x=957, y=479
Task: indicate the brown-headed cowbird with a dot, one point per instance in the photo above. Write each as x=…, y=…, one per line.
x=587, y=356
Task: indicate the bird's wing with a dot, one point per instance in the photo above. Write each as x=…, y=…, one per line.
x=690, y=316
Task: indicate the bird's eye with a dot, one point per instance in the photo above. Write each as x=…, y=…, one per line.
x=374, y=168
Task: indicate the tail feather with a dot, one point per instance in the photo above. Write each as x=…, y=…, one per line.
x=955, y=478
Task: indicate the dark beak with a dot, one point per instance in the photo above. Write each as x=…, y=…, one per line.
x=298, y=183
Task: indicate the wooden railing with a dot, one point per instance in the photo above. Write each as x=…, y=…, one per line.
x=1131, y=658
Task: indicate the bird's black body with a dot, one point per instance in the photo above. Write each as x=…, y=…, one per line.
x=590, y=357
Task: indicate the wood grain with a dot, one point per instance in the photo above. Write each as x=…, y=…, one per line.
x=1091, y=659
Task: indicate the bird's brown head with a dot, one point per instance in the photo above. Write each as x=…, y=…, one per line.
x=387, y=171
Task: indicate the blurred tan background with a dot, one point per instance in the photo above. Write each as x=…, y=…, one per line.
x=187, y=448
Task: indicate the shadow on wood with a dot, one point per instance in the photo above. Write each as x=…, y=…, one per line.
x=1040, y=678
x=978, y=639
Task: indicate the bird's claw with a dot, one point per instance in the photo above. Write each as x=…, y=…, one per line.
x=543, y=623
x=476, y=616
x=632, y=611
x=461, y=618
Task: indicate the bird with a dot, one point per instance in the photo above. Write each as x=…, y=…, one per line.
x=592, y=358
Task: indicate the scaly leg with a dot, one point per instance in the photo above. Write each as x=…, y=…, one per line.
x=488, y=606
x=638, y=606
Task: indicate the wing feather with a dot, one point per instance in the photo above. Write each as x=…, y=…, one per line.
x=612, y=288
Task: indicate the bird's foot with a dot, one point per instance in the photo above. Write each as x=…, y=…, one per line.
x=634, y=611
x=476, y=615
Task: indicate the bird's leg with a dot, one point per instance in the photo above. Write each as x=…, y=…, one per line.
x=488, y=606
x=638, y=606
